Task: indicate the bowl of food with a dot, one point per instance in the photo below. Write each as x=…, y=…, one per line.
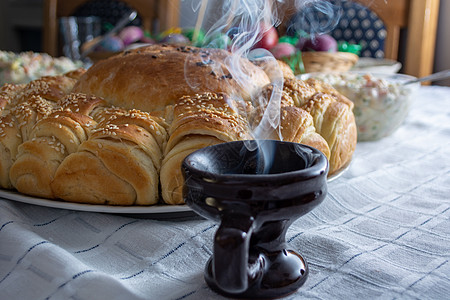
x=381, y=101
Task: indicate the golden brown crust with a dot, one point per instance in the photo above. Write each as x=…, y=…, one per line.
x=36, y=157
x=8, y=94
x=70, y=128
x=31, y=111
x=16, y=129
x=272, y=91
x=81, y=103
x=324, y=87
x=297, y=126
x=51, y=88
x=124, y=150
x=10, y=139
x=51, y=140
x=171, y=177
x=83, y=178
x=335, y=122
x=211, y=114
x=153, y=125
x=299, y=90
x=142, y=131
x=332, y=117
x=150, y=78
x=274, y=68
x=198, y=121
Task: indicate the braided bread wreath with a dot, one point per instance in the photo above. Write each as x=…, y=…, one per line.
x=117, y=133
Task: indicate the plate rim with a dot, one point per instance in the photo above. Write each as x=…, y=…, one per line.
x=136, y=209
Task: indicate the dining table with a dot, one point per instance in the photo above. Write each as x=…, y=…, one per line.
x=382, y=232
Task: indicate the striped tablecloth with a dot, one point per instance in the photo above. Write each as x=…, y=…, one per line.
x=383, y=232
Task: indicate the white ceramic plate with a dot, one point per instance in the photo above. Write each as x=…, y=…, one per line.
x=154, y=209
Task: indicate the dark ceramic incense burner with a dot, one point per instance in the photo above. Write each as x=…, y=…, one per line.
x=255, y=198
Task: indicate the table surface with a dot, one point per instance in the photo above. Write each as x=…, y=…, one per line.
x=382, y=232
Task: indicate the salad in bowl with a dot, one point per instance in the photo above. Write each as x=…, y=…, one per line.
x=381, y=101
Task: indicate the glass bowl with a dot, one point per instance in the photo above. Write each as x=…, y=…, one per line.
x=381, y=101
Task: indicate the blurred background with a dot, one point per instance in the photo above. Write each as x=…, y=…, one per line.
x=22, y=26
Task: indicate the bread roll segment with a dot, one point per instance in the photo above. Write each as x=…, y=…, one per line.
x=51, y=140
x=56, y=132
x=8, y=93
x=171, y=175
x=332, y=115
x=335, y=122
x=33, y=171
x=10, y=140
x=21, y=107
x=83, y=104
x=117, y=165
x=83, y=178
x=295, y=124
x=50, y=88
x=198, y=121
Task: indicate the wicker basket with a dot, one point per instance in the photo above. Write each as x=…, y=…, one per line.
x=328, y=61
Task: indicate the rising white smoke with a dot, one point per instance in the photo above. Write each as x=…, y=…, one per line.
x=238, y=28
x=240, y=21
